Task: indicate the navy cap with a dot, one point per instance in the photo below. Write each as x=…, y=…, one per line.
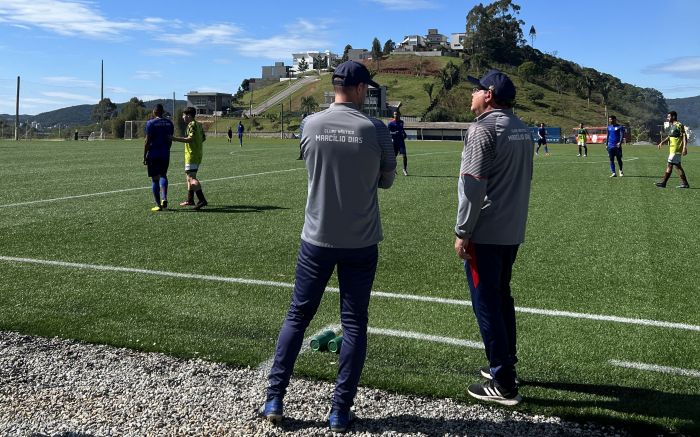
x=351, y=73
x=500, y=85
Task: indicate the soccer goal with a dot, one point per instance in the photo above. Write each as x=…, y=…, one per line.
x=134, y=129
x=96, y=135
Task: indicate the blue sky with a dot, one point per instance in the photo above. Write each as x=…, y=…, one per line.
x=152, y=49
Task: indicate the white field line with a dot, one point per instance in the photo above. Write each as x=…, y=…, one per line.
x=104, y=193
x=538, y=311
x=656, y=368
x=584, y=161
x=265, y=367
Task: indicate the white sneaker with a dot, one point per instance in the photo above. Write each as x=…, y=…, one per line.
x=405, y=173
x=578, y=154
x=613, y=175
x=621, y=173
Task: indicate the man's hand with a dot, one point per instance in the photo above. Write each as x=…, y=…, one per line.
x=461, y=248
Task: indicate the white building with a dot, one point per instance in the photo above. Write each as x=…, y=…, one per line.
x=457, y=41
x=329, y=57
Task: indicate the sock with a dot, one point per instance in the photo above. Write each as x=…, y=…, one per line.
x=585, y=150
x=612, y=166
x=190, y=196
x=200, y=196
x=546, y=150
x=164, y=188
x=667, y=176
x=579, y=150
x=156, y=192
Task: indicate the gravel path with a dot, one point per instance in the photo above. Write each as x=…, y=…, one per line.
x=55, y=387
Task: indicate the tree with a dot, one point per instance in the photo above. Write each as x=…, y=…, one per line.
x=428, y=88
x=319, y=61
x=376, y=51
x=419, y=66
x=302, y=66
x=528, y=70
x=557, y=78
x=308, y=104
x=104, y=110
x=389, y=47
x=533, y=35
x=346, y=52
x=493, y=32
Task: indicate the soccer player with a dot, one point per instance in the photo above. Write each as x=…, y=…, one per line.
x=229, y=134
x=494, y=195
x=156, y=155
x=398, y=138
x=194, y=149
x=616, y=135
x=581, y=136
x=348, y=156
x=542, y=140
x=678, y=146
x=241, y=129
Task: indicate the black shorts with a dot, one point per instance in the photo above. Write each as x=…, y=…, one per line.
x=157, y=166
x=541, y=142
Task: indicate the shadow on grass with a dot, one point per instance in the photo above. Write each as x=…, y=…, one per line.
x=628, y=400
x=410, y=424
x=231, y=209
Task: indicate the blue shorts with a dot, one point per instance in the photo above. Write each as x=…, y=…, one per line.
x=157, y=166
x=400, y=149
x=615, y=152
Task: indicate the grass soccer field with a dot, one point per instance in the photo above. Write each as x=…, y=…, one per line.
x=606, y=285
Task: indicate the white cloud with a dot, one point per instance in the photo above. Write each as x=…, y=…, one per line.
x=72, y=18
x=170, y=51
x=406, y=5
x=299, y=36
x=72, y=97
x=70, y=81
x=682, y=67
x=220, y=34
x=147, y=75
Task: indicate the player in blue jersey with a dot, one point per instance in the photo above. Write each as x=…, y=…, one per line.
x=156, y=155
x=616, y=135
x=398, y=139
x=241, y=130
x=542, y=140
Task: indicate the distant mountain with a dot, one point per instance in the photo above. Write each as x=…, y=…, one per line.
x=688, y=110
x=80, y=115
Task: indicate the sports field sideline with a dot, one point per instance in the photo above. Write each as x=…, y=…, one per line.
x=606, y=283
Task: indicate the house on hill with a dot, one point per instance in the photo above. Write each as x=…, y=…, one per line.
x=210, y=103
x=327, y=57
x=270, y=74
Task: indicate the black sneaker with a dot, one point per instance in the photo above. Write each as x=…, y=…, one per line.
x=201, y=204
x=490, y=391
x=486, y=374
x=660, y=184
x=164, y=204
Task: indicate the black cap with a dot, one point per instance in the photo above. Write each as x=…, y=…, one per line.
x=499, y=83
x=351, y=73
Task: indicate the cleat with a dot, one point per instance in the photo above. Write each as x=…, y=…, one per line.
x=272, y=411
x=490, y=391
x=660, y=184
x=405, y=173
x=164, y=204
x=578, y=154
x=613, y=175
x=186, y=203
x=585, y=156
x=683, y=186
x=621, y=173
x=340, y=421
x=486, y=374
x=156, y=209
x=201, y=204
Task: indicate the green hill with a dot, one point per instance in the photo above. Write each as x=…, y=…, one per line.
x=688, y=110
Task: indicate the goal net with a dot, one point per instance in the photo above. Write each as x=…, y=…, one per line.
x=96, y=135
x=134, y=129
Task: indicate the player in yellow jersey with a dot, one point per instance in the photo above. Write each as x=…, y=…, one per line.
x=678, y=146
x=581, y=136
x=194, y=148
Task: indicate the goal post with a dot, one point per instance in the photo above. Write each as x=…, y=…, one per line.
x=134, y=129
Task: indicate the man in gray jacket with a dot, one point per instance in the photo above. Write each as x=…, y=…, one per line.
x=348, y=156
x=494, y=193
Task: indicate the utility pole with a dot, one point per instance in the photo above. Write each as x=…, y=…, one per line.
x=282, y=120
x=102, y=94
x=173, y=113
x=17, y=113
